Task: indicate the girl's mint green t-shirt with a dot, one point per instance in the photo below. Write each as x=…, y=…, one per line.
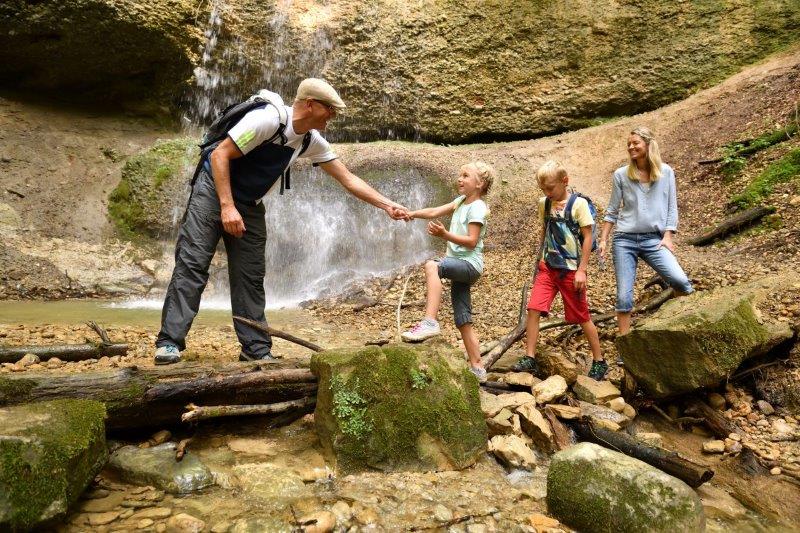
x=464, y=214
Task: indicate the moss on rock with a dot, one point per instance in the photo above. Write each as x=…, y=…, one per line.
x=398, y=408
x=593, y=489
x=142, y=202
x=699, y=340
x=49, y=452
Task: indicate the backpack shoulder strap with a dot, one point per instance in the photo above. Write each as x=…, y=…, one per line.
x=570, y=203
x=306, y=143
x=548, y=208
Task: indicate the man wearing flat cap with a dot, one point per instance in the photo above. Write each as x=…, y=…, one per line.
x=226, y=203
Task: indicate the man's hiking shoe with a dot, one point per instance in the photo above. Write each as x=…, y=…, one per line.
x=479, y=372
x=620, y=362
x=424, y=329
x=265, y=358
x=598, y=370
x=166, y=355
x=526, y=363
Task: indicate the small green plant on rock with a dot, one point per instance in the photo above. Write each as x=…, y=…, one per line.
x=419, y=379
x=783, y=170
x=349, y=407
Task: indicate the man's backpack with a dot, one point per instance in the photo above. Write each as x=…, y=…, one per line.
x=232, y=114
x=571, y=222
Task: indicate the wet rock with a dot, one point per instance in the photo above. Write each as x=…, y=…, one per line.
x=591, y=488
x=157, y=466
x=318, y=522
x=513, y=452
x=714, y=446
x=342, y=511
x=253, y=446
x=697, y=341
x=536, y=427
x=492, y=404
x=49, y=453
x=221, y=527
x=596, y=392
x=599, y=414
x=550, y=389
x=765, y=407
x=553, y=362
x=101, y=519
x=28, y=359
x=717, y=401
x=719, y=504
x=184, y=523
x=270, y=483
x=154, y=513
x=261, y=525
x=396, y=408
x=144, y=523
x=103, y=505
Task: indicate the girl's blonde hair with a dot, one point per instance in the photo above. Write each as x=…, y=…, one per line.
x=485, y=172
x=653, y=155
x=550, y=170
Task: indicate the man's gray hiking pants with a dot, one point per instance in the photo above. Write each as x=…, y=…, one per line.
x=198, y=237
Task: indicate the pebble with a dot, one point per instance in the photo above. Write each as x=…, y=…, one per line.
x=714, y=446
x=765, y=407
x=144, y=523
x=442, y=513
x=28, y=359
x=101, y=519
x=716, y=400
x=185, y=523
x=776, y=471
x=221, y=527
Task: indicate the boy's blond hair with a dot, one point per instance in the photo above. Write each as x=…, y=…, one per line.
x=550, y=170
x=485, y=172
x=653, y=155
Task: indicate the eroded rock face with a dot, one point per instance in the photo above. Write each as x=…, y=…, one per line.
x=594, y=489
x=398, y=409
x=108, y=50
x=699, y=340
x=49, y=453
x=440, y=71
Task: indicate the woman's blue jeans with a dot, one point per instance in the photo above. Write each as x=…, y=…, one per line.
x=628, y=248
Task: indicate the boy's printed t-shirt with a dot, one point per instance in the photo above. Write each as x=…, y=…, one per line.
x=562, y=249
x=464, y=214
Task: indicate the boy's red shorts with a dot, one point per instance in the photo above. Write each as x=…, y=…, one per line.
x=548, y=283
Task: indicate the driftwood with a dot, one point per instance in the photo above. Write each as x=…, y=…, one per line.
x=673, y=464
x=204, y=412
x=561, y=434
x=67, y=352
x=731, y=225
x=505, y=342
x=156, y=396
x=278, y=333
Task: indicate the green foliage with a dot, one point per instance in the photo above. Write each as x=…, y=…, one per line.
x=349, y=407
x=734, y=155
x=783, y=170
x=419, y=379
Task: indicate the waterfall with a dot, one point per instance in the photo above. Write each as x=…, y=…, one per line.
x=319, y=238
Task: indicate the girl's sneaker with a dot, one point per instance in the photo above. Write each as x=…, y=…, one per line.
x=479, y=372
x=424, y=329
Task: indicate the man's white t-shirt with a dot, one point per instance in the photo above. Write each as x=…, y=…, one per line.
x=259, y=125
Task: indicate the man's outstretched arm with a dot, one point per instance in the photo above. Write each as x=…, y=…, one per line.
x=363, y=191
x=221, y=171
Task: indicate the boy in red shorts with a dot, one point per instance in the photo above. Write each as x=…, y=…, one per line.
x=562, y=264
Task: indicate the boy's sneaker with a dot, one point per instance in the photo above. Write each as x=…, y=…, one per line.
x=166, y=355
x=479, y=372
x=526, y=363
x=266, y=357
x=598, y=370
x=424, y=329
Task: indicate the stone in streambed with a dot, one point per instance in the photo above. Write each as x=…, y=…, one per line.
x=594, y=489
x=49, y=453
x=397, y=408
x=157, y=466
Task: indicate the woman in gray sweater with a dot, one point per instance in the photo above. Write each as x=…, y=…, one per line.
x=644, y=207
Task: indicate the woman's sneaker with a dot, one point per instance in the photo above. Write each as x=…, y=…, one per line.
x=598, y=370
x=479, y=372
x=424, y=329
x=166, y=355
x=526, y=363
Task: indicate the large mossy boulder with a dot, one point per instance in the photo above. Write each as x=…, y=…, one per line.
x=398, y=408
x=157, y=466
x=593, y=490
x=49, y=453
x=699, y=340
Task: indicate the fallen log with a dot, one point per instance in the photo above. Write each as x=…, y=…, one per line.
x=731, y=225
x=278, y=333
x=561, y=434
x=65, y=352
x=718, y=425
x=667, y=461
x=204, y=412
x=156, y=396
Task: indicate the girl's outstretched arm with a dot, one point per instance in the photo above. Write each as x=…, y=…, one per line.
x=434, y=212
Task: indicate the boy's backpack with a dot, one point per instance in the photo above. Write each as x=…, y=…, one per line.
x=232, y=114
x=571, y=222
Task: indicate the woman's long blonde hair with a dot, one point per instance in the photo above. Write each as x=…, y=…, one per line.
x=653, y=155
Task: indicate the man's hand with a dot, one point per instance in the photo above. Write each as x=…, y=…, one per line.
x=580, y=280
x=436, y=228
x=667, y=243
x=398, y=212
x=232, y=221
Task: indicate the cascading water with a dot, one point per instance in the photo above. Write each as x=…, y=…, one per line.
x=319, y=238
